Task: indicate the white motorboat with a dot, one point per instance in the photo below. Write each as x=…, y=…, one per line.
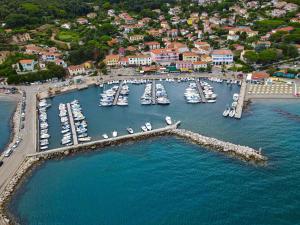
x=105, y=136
x=148, y=126
x=84, y=139
x=129, y=130
x=226, y=112
x=45, y=147
x=45, y=135
x=235, y=97
x=234, y=104
x=144, y=128
x=211, y=101
x=168, y=120
x=114, y=133
x=232, y=113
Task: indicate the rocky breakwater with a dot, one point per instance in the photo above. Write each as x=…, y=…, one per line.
x=10, y=187
x=243, y=152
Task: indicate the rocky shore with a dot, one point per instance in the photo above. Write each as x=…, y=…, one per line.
x=5, y=196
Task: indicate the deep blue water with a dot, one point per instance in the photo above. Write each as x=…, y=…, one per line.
x=167, y=180
x=6, y=110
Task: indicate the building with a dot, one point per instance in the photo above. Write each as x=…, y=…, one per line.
x=26, y=65
x=153, y=45
x=32, y=49
x=199, y=65
x=137, y=37
x=190, y=56
x=184, y=65
x=222, y=56
x=164, y=55
x=50, y=56
x=112, y=60
x=139, y=60
x=76, y=70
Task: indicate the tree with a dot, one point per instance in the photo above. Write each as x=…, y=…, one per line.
x=251, y=56
x=268, y=56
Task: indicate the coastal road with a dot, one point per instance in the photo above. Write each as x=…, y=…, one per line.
x=26, y=146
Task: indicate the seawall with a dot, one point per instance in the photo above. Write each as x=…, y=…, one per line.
x=241, y=151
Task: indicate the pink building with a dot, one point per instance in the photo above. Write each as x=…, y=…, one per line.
x=164, y=55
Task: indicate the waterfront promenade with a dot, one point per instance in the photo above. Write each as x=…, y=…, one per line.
x=27, y=146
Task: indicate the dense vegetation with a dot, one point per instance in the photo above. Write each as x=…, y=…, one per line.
x=53, y=71
x=18, y=13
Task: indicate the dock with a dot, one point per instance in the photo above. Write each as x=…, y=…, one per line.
x=153, y=92
x=200, y=90
x=240, y=104
x=118, y=93
x=110, y=141
x=74, y=134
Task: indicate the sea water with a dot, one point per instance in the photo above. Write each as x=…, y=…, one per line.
x=7, y=108
x=169, y=181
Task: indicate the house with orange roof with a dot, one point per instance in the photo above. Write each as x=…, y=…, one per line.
x=180, y=47
x=153, y=45
x=26, y=65
x=190, y=56
x=76, y=70
x=32, y=49
x=184, y=65
x=112, y=60
x=222, y=56
x=164, y=55
x=139, y=60
x=123, y=61
x=203, y=47
x=198, y=65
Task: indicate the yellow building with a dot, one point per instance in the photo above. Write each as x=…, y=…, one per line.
x=112, y=60
x=190, y=56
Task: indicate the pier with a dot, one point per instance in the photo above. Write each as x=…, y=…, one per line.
x=153, y=92
x=240, y=104
x=109, y=141
x=74, y=134
x=118, y=93
x=203, y=99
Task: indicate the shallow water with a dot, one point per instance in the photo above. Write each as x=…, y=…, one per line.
x=7, y=108
x=167, y=180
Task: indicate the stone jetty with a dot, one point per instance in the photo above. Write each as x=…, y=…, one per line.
x=243, y=152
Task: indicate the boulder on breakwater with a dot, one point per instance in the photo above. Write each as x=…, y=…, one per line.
x=244, y=152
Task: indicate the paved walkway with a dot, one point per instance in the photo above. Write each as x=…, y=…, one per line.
x=26, y=146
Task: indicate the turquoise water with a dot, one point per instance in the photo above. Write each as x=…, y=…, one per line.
x=169, y=181
x=6, y=110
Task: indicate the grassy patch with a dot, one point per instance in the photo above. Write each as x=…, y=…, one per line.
x=68, y=36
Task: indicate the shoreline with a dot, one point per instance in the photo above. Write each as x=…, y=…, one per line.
x=12, y=120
